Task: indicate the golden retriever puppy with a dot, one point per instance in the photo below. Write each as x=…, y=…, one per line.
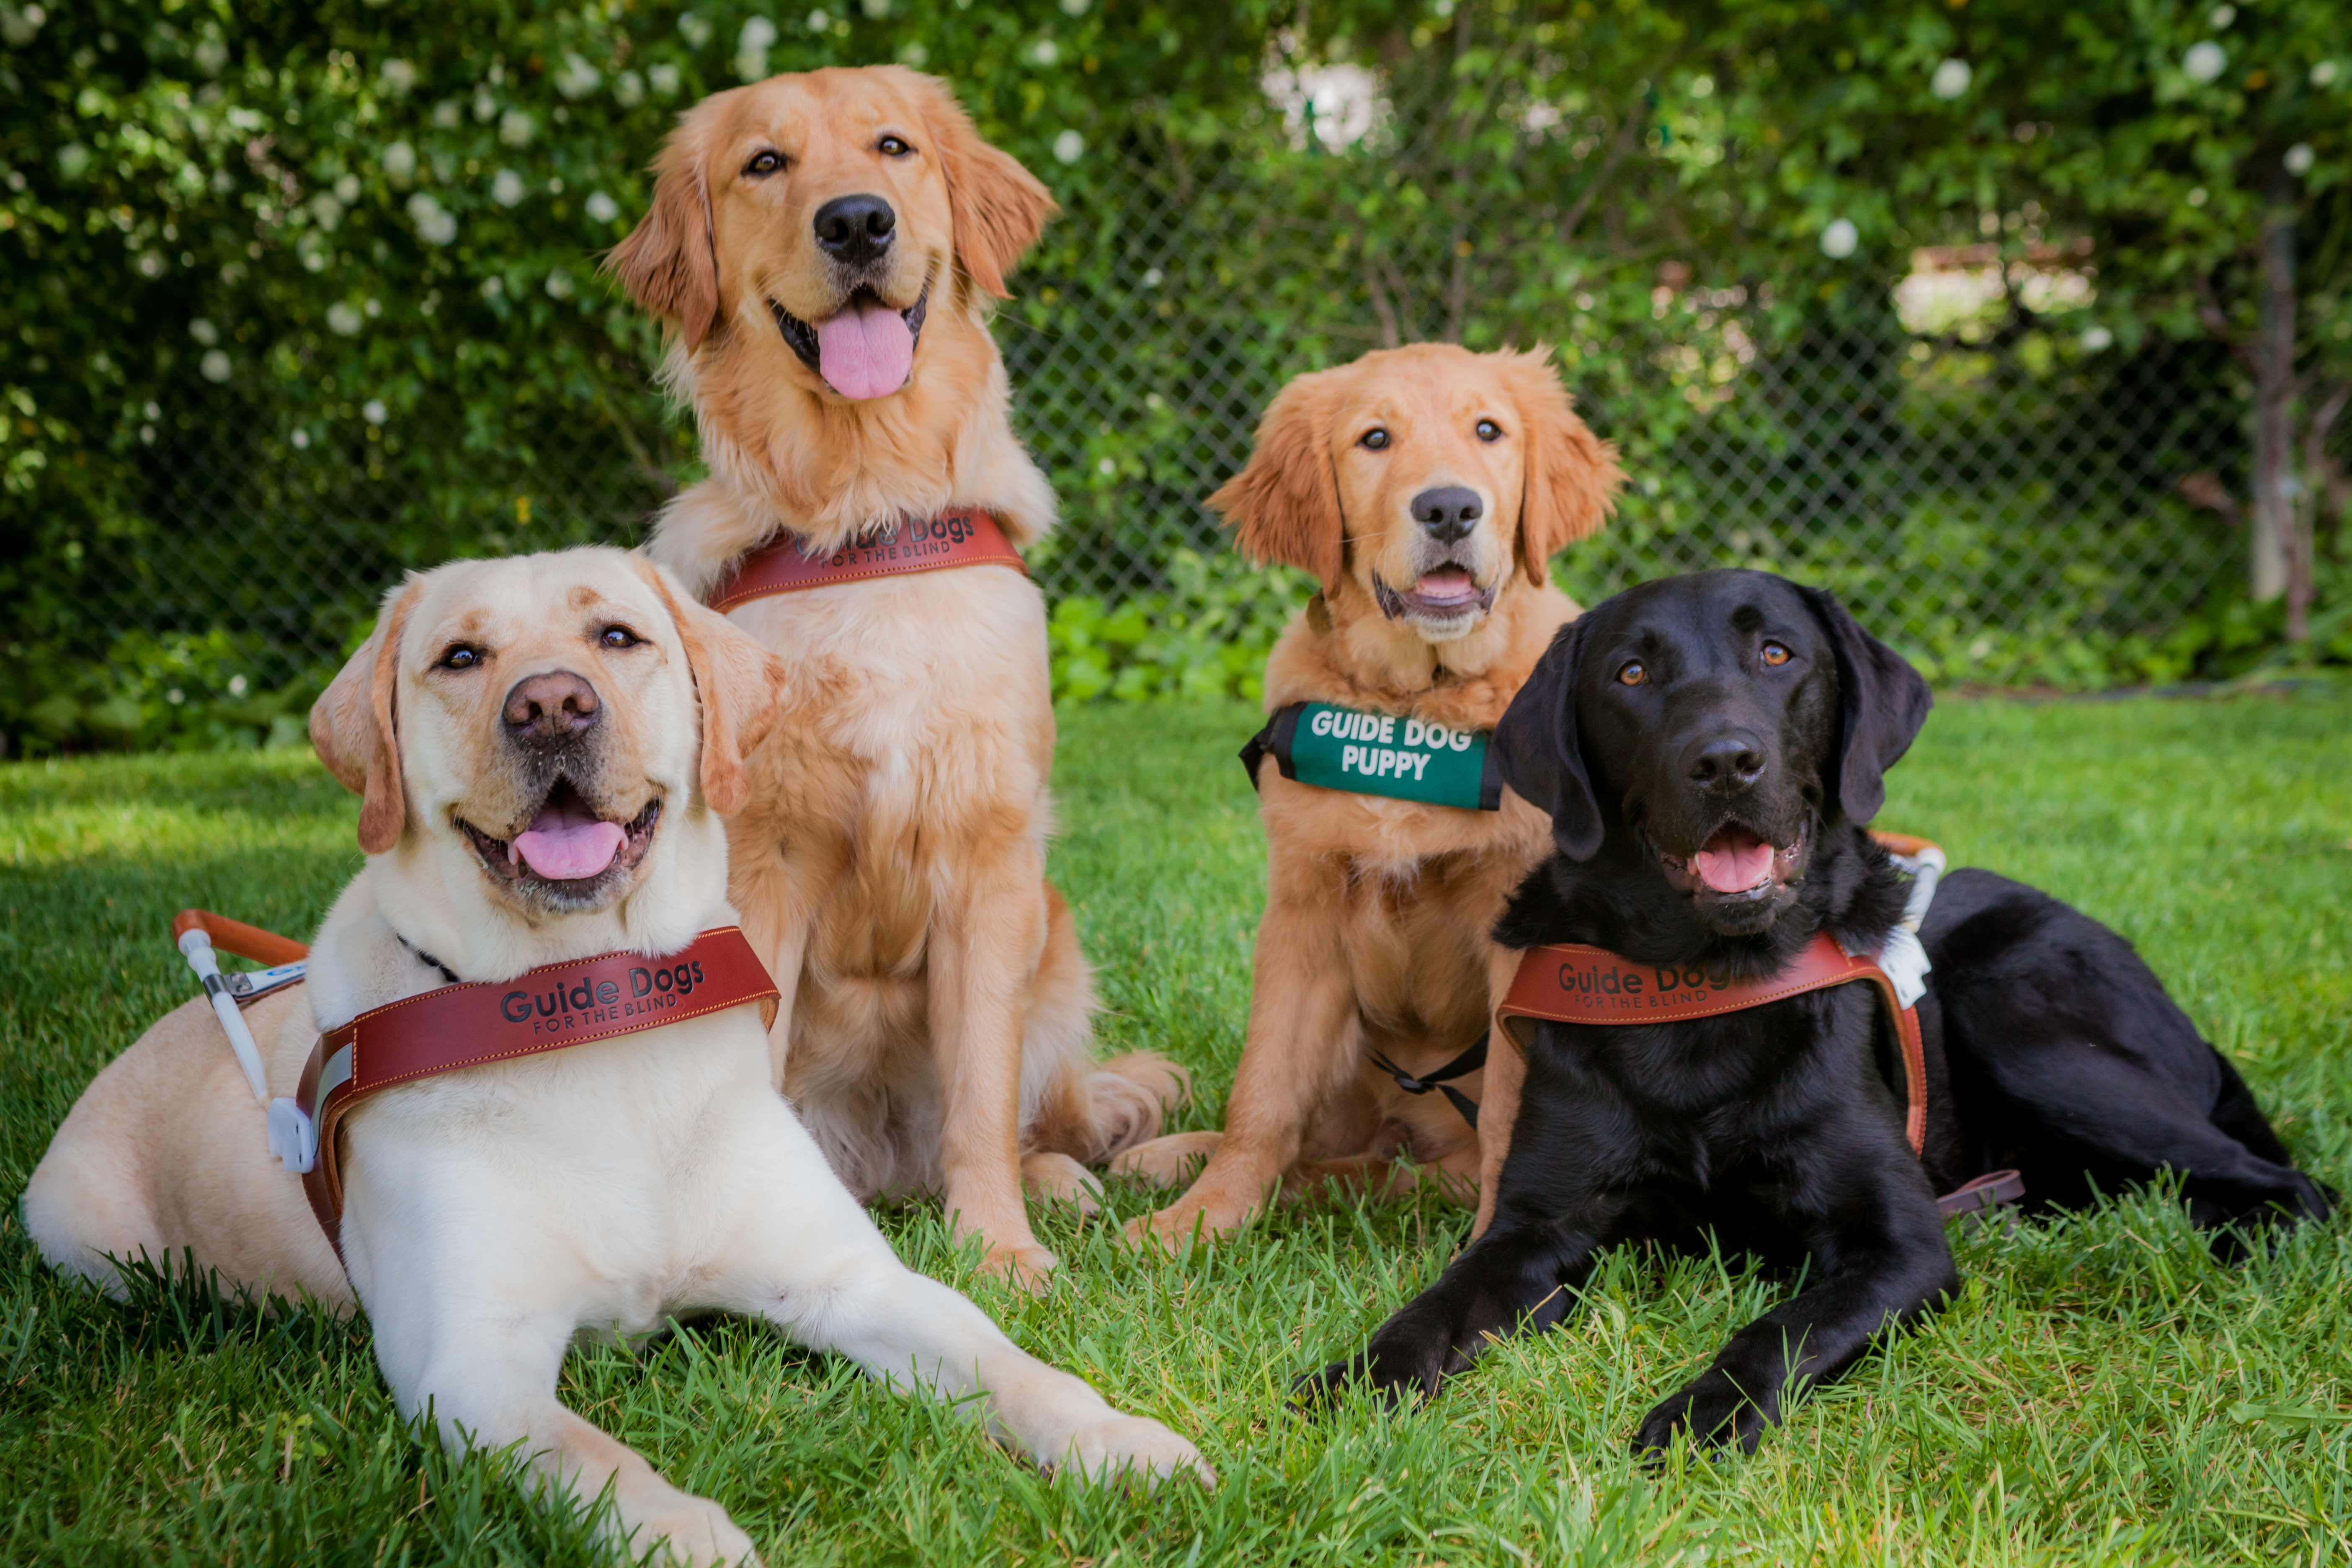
x=827, y=249
x=545, y=746
x=1426, y=487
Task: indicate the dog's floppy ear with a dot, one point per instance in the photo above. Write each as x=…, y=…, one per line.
x=1285, y=503
x=998, y=207
x=355, y=724
x=670, y=263
x=1537, y=753
x=1571, y=477
x=1882, y=703
x=736, y=683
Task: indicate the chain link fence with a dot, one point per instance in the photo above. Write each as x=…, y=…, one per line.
x=1968, y=501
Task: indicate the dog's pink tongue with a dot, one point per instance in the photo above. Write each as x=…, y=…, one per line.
x=1446, y=585
x=865, y=350
x=1732, y=861
x=566, y=846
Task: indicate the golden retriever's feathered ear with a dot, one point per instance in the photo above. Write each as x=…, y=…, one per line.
x=1285, y=504
x=668, y=263
x=355, y=728
x=1572, y=476
x=738, y=683
x=999, y=208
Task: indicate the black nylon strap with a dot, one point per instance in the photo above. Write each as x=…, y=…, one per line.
x=1468, y=1062
x=1274, y=740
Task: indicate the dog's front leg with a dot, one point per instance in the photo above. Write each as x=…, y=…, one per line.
x=1499, y=1087
x=470, y=1341
x=1887, y=1266
x=987, y=939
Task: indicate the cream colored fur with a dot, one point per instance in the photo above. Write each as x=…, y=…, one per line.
x=890, y=864
x=494, y=1213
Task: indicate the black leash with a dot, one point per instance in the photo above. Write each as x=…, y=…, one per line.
x=1468, y=1062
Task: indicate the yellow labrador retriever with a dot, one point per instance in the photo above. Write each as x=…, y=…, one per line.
x=826, y=249
x=546, y=746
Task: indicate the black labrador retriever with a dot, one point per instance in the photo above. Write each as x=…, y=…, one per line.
x=1708, y=748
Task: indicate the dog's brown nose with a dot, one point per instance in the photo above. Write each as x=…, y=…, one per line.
x=855, y=229
x=551, y=707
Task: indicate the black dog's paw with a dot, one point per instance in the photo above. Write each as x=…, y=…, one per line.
x=1712, y=1414
x=1371, y=1373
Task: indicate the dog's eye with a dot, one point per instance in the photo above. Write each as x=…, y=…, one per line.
x=765, y=164
x=618, y=637
x=1489, y=431
x=1774, y=653
x=1632, y=674
x=892, y=147
x=1373, y=439
x=461, y=656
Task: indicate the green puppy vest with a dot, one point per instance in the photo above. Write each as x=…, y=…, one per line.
x=1378, y=753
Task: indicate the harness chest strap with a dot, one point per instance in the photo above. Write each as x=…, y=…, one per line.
x=961, y=536
x=547, y=1009
x=1570, y=983
x=1359, y=751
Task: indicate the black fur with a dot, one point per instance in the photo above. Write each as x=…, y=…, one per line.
x=2050, y=1048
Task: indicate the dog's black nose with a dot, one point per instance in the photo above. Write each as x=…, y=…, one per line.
x=551, y=707
x=1734, y=761
x=855, y=229
x=1447, y=513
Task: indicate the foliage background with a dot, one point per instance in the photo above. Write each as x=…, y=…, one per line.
x=296, y=295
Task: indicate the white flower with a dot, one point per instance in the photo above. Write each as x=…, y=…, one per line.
x=1152, y=278
x=1074, y=7
x=2097, y=339
x=751, y=48
x=398, y=76
x=486, y=108
x=19, y=27
x=1106, y=468
x=603, y=208
x=215, y=365
x=493, y=287
x=2299, y=159
x=347, y=189
x=447, y=113
x=662, y=79
x=2204, y=62
x=914, y=55
x=818, y=21
x=2197, y=198
x=374, y=308
x=343, y=320
x=559, y=285
x=515, y=128
x=435, y=224
x=205, y=332
x=1950, y=80
x=236, y=686
x=2323, y=73
x=694, y=29
x=1839, y=238
x=374, y=412
x=2222, y=16
x=301, y=439
x=399, y=163
x=876, y=9
x=578, y=79
x=1069, y=147
x=507, y=188
x=327, y=210
x=628, y=89
x=210, y=55
x=72, y=159
x=1044, y=51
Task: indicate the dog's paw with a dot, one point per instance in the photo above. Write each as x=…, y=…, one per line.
x=691, y=1531
x=1168, y=1163
x=1057, y=1178
x=1025, y=1265
x=1382, y=1377
x=1125, y=1450
x=1711, y=1414
x=1175, y=1228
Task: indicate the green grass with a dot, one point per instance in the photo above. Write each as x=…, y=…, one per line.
x=2103, y=1392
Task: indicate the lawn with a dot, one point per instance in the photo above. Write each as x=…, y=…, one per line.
x=2102, y=1392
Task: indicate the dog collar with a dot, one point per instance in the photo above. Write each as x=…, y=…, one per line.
x=961, y=536
x=1363, y=753
x=546, y=1009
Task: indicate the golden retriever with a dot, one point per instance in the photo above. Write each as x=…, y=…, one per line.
x=1426, y=487
x=545, y=745
x=827, y=249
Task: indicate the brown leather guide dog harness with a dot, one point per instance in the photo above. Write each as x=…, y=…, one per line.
x=958, y=537
x=546, y=1009
x=1567, y=982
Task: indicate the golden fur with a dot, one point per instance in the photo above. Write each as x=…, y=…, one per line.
x=1377, y=911
x=892, y=854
